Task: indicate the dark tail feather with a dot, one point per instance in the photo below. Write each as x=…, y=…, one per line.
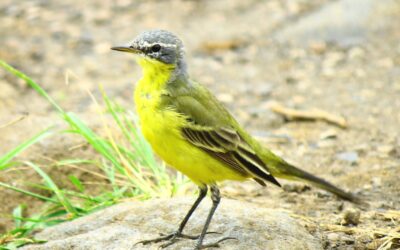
x=288, y=171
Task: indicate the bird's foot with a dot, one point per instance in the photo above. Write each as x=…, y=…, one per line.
x=214, y=244
x=172, y=239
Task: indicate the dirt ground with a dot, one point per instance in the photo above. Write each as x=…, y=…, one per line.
x=251, y=54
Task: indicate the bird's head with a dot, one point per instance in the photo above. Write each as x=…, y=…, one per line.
x=156, y=47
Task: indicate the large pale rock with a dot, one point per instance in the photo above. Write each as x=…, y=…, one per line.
x=121, y=226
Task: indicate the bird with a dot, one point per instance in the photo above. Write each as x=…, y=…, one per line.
x=195, y=134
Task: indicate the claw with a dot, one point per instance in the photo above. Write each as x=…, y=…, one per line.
x=215, y=244
x=171, y=242
x=174, y=237
x=170, y=237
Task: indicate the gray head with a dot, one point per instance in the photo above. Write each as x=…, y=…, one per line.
x=160, y=45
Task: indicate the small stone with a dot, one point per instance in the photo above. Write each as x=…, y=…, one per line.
x=328, y=134
x=362, y=148
x=347, y=239
x=386, y=149
x=333, y=237
x=349, y=156
x=376, y=182
x=351, y=217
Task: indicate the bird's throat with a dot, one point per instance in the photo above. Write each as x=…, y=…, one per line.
x=149, y=89
x=155, y=74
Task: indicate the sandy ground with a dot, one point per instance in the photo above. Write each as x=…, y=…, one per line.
x=250, y=53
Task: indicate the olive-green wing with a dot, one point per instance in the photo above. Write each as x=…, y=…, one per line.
x=227, y=146
x=211, y=128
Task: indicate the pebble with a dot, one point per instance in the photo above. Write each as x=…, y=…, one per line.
x=347, y=239
x=349, y=156
x=386, y=149
x=351, y=217
x=333, y=237
x=328, y=134
x=376, y=181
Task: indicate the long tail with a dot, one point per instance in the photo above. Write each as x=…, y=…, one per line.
x=284, y=170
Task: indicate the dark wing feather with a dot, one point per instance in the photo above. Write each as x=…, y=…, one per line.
x=227, y=146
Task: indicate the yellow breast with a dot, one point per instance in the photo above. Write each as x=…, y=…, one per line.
x=161, y=126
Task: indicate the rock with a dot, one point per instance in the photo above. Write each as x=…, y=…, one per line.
x=121, y=226
x=328, y=134
x=351, y=217
x=335, y=238
x=350, y=156
x=376, y=182
x=347, y=239
x=386, y=150
x=332, y=237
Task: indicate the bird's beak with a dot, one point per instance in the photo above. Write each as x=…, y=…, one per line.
x=126, y=48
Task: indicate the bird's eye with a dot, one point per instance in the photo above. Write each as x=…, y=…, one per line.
x=155, y=48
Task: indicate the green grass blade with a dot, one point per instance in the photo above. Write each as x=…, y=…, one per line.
x=77, y=183
x=22, y=191
x=31, y=83
x=5, y=159
x=59, y=194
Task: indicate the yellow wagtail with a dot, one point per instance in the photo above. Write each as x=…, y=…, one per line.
x=192, y=132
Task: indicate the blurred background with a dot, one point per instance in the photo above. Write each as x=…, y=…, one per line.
x=341, y=56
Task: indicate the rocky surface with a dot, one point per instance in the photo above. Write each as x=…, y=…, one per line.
x=121, y=226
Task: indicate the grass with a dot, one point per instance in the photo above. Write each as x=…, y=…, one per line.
x=125, y=162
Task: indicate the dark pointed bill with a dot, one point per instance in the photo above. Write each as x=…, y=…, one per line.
x=126, y=49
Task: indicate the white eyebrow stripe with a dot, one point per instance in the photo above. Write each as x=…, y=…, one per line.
x=147, y=44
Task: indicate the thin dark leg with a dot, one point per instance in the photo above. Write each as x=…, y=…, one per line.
x=216, y=198
x=202, y=194
x=172, y=238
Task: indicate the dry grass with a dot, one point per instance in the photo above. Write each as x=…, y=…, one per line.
x=382, y=238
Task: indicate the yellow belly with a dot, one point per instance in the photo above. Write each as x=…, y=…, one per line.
x=162, y=131
x=161, y=128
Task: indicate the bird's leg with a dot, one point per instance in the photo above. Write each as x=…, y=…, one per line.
x=172, y=238
x=202, y=194
x=215, y=197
